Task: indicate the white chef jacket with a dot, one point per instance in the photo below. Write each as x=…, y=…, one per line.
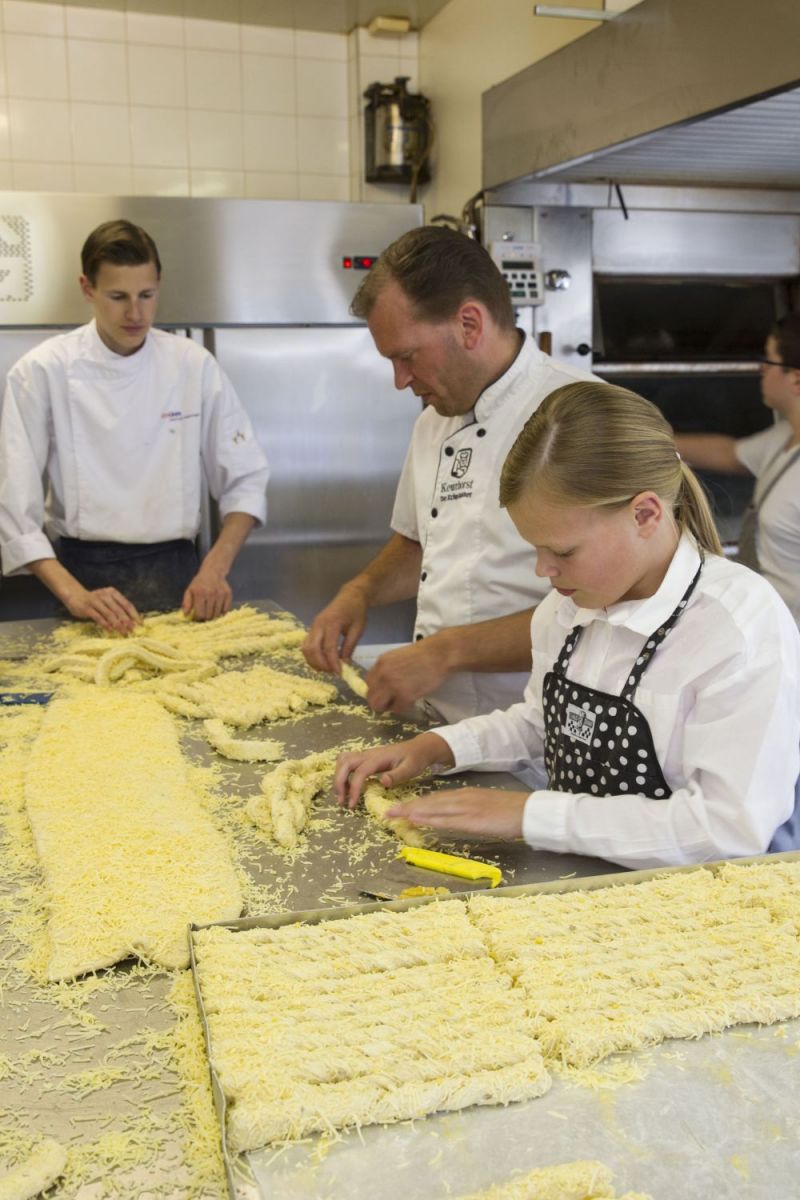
x=124, y=442
x=721, y=696
x=778, y=538
x=475, y=566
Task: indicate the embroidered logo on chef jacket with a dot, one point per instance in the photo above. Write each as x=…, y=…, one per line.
x=461, y=463
x=600, y=743
x=177, y=415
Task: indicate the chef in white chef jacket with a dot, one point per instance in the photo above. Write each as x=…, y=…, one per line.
x=439, y=309
x=109, y=435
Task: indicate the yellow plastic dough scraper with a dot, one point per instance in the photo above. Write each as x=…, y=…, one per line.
x=448, y=872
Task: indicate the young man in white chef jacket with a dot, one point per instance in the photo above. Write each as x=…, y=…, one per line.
x=770, y=538
x=439, y=309
x=109, y=434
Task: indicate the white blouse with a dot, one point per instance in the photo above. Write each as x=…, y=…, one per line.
x=722, y=698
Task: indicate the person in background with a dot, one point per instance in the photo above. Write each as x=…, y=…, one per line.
x=770, y=538
x=439, y=309
x=661, y=723
x=109, y=435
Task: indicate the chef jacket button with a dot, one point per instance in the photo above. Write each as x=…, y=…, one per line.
x=418, y=638
x=481, y=433
x=449, y=450
x=424, y=576
x=434, y=512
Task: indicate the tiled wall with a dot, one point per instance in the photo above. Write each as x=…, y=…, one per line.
x=102, y=100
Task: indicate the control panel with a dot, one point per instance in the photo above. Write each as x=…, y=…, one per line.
x=519, y=263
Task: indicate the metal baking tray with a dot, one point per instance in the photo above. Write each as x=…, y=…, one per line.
x=248, y=1175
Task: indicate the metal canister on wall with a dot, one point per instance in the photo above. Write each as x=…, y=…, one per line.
x=398, y=134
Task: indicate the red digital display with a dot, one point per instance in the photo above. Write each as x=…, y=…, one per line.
x=359, y=262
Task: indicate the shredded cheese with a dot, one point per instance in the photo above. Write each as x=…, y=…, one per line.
x=585, y=1180
x=129, y=856
x=33, y=1176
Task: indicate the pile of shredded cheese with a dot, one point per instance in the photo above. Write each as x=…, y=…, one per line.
x=129, y=856
x=380, y=1017
x=617, y=968
x=583, y=1180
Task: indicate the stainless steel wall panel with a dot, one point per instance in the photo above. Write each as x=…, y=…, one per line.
x=694, y=244
x=327, y=414
x=226, y=262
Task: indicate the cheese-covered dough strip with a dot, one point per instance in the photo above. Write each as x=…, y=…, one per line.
x=33, y=1176
x=220, y=737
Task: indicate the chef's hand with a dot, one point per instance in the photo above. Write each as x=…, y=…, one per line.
x=399, y=677
x=393, y=764
x=209, y=595
x=477, y=811
x=107, y=607
x=335, y=631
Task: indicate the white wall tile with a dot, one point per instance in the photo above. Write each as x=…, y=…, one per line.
x=22, y=16
x=114, y=181
x=324, y=187
x=40, y=131
x=320, y=45
x=271, y=185
x=153, y=29
x=158, y=137
x=211, y=35
x=97, y=71
x=5, y=141
x=214, y=80
x=215, y=140
x=160, y=181
x=268, y=84
x=321, y=88
x=156, y=75
x=270, y=143
x=105, y=24
x=36, y=66
x=101, y=133
x=380, y=70
x=216, y=183
x=322, y=146
x=43, y=177
x=259, y=39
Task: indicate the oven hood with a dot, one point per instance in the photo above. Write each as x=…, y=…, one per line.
x=683, y=92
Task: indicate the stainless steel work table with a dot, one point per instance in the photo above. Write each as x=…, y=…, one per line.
x=723, y=1108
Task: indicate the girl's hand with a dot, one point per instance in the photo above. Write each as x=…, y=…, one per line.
x=477, y=811
x=393, y=764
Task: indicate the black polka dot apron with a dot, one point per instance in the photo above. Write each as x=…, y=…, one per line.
x=599, y=743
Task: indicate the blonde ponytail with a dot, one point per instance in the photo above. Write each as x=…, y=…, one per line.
x=596, y=445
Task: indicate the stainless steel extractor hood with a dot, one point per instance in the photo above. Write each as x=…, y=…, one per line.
x=670, y=92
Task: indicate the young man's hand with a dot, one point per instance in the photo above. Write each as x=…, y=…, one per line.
x=393, y=764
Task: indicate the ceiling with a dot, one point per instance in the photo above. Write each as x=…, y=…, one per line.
x=327, y=16
x=754, y=145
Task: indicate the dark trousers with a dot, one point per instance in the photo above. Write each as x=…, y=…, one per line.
x=152, y=576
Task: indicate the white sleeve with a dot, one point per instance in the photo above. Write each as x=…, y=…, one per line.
x=741, y=755
x=404, y=513
x=235, y=466
x=509, y=739
x=755, y=452
x=24, y=449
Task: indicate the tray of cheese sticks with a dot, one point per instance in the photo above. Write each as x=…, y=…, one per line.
x=502, y=1018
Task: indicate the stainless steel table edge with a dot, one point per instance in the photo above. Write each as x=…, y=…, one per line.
x=237, y=1169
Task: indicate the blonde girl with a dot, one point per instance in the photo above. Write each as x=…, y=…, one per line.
x=661, y=722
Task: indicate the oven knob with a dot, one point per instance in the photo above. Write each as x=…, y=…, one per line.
x=558, y=281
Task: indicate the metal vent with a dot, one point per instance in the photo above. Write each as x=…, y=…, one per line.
x=754, y=145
